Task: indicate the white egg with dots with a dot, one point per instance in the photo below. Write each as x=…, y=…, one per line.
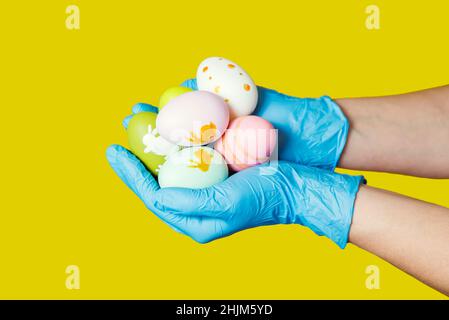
x=228, y=80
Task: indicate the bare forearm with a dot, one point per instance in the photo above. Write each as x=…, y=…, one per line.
x=411, y=234
x=406, y=134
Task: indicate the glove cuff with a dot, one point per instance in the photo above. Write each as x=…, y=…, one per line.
x=332, y=211
x=321, y=131
x=341, y=130
x=340, y=234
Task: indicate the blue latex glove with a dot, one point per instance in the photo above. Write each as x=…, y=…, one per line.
x=311, y=132
x=276, y=193
x=139, y=107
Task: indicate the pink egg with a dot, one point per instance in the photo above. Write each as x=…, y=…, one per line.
x=249, y=141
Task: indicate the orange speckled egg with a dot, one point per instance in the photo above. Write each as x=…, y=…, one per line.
x=227, y=79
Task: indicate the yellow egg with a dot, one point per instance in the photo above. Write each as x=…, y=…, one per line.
x=171, y=93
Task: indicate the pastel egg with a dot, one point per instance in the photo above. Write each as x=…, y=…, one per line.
x=249, y=141
x=171, y=93
x=146, y=143
x=227, y=79
x=195, y=167
x=193, y=119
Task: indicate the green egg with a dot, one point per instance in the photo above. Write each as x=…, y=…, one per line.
x=146, y=143
x=171, y=93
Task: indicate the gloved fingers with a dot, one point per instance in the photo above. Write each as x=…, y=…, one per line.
x=137, y=108
x=212, y=202
x=200, y=229
x=136, y=177
x=126, y=121
x=263, y=92
x=172, y=227
x=176, y=223
x=144, y=107
x=190, y=83
x=133, y=173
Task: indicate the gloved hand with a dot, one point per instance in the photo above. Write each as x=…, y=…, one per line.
x=311, y=132
x=275, y=193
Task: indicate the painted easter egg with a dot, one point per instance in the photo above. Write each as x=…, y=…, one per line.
x=195, y=167
x=225, y=78
x=171, y=93
x=146, y=143
x=249, y=141
x=193, y=119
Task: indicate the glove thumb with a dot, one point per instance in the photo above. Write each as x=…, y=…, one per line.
x=190, y=83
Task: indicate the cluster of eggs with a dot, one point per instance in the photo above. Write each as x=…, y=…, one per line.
x=197, y=134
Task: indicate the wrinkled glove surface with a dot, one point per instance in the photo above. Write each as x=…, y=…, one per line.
x=311, y=132
x=274, y=193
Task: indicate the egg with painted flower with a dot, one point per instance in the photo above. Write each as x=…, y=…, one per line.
x=228, y=80
x=193, y=119
x=195, y=167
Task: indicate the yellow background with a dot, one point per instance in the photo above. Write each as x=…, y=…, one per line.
x=64, y=94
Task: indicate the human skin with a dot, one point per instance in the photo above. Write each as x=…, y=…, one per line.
x=412, y=235
x=406, y=134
